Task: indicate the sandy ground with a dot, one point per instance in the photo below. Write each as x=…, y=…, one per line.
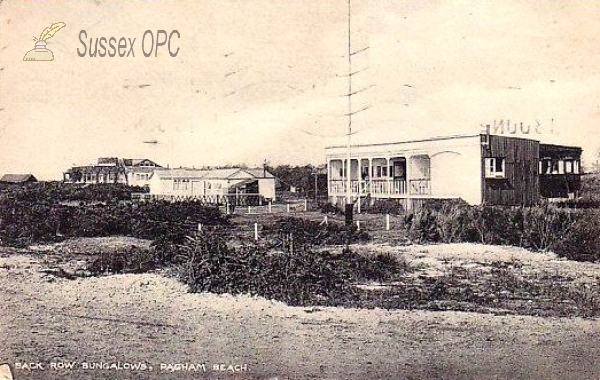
x=150, y=319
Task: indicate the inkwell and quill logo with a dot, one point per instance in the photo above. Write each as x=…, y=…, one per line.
x=41, y=53
x=5, y=372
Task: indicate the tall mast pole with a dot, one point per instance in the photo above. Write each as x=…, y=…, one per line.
x=348, y=147
x=348, y=209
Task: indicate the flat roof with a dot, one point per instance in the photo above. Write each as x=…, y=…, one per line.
x=437, y=138
x=454, y=137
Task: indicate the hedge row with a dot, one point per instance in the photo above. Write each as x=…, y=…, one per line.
x=574, y=234
x=60, y=192
x=23, y=223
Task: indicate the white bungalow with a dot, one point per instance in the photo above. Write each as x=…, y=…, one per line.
x=235, y=185
x=480, y=169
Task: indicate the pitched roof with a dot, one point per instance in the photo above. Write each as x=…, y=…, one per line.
x=115, y=161
x=18, y=178
x=222, y=173
x=230, y=173
x=243, y=182
x=179, y=173
x=259, y=173
x=139, y=161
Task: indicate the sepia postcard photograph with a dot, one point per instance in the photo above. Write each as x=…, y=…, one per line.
x=299, y=190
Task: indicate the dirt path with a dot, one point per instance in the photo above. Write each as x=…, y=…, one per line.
x=150, y=319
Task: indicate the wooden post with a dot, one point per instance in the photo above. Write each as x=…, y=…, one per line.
x=387, y=222
x=358, y=183
x=255, y=231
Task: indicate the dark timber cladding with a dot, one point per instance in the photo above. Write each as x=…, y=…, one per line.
x=513, y=163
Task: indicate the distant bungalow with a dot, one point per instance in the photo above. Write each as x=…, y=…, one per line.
x=131, y=171
x=239, y=186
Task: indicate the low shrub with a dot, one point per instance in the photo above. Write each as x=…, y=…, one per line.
x=208, y=264
x=61, y=192
x=373, y=267
x=581, y=242
x=28, y=222
x=328, y=208
x=572, y=234
x=385, y=206
x=579, y=203
x=502, y=289
x=300, y=232
x=131, y=260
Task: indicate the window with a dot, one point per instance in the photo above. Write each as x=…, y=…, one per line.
x=181, y=184
x=398, y=171
x=568, y=166
x=545, y=166
x=495, y=167
x=571, y=166
x=364, y=173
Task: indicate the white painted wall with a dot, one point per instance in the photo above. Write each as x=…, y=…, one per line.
x=266, y=187
x=134, y=179
x=455, y=162
x=160, y=186
x=205, y=186
x=457, y=172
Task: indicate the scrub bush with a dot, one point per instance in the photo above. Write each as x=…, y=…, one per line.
x=574, y=234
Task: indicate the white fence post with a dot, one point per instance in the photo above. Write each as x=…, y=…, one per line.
x=255, y=231
x=199, y=227
x=288, y=208
x=358, y=225
x=387, y=222
x=248, y=209
x=270, y=207
x=305, y=205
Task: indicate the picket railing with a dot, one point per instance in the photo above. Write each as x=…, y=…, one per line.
x=379, y=187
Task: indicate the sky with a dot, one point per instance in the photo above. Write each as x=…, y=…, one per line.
x=263, y=80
